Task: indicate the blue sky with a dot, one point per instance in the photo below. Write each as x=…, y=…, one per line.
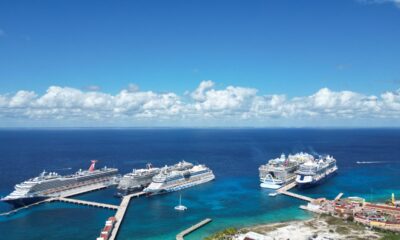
x=292, y=48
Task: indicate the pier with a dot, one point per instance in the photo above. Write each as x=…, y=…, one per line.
x=64, y=195
x=285, y=190
x=192, y=228
x=85, y=203
x=288, y=187
x=121, y=209
x=298, y=196
x=24, y=207
x=339, y=196
x=119, y=216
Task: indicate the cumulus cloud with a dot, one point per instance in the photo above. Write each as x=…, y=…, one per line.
x=205, y=103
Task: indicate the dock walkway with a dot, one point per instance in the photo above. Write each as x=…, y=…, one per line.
x=339, y=196
x=21, y=208
x=65, y=194
x=86, y=203
x=287, y=187
x=119, y=216
x=298, y=196
x=192, y=228
x=285, y=190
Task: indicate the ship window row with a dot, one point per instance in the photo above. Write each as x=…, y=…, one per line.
x=61, y=183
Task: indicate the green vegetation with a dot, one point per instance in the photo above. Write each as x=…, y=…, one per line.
x=334, y=221
x=342, y=230
x=390, y=236
x=223, y=235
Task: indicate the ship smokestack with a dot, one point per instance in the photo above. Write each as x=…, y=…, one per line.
x=91, y=168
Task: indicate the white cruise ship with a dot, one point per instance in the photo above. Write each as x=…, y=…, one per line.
x=314, y=172
x=53, y=185
x=281, y=171
x=137, y=179
x=169, y=181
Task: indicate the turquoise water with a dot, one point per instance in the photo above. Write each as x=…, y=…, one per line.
x=233, y=199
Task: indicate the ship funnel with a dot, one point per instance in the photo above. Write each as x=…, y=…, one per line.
x=91, y=168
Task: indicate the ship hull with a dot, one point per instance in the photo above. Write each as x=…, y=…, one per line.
x=270, y=185
x=304, y=185
x=182, y=186
x=21, y=202
x=123, y=192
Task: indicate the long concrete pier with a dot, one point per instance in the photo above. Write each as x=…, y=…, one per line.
x=64, y=194
x=119, y=216
x=285, y=190
x=24, y=207
x=298, y=196
x=287, y=187
x=185, y=232
x=339, y=196
x=85, y=203
x=121, y=209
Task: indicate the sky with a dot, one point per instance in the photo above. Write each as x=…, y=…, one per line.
x=259, y=63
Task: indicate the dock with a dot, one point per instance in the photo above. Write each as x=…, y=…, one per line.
x=339, y=196
x=285, y=190
x=287, y=187
x=119, y=216
x=85, y=203
x=64, y=195
x=24, y=207
x=185, y=232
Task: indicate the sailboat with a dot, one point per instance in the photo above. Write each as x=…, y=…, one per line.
x=180, y=207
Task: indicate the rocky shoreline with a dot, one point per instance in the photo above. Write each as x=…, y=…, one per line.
x=318, y=228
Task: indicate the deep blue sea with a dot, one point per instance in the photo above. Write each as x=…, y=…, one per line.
x=233, y=199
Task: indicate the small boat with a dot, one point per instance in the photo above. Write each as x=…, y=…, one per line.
x=180, y=207
x=273, y=194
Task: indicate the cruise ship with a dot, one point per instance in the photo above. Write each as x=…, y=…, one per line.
x=173, y=180
x=138, y=179
x=314, y=172
x=53, y=185
x=281, y=171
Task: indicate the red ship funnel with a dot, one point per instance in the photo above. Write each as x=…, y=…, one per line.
x=91, y=168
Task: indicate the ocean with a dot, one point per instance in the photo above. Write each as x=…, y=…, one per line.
x=234, y=199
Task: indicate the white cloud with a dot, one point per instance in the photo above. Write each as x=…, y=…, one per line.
x=219, y=107
x=396, y=2
x=133, y=87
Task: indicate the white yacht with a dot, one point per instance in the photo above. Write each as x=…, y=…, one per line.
x=180, y=207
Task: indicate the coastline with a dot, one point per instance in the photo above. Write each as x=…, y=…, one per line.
x=319, y=227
